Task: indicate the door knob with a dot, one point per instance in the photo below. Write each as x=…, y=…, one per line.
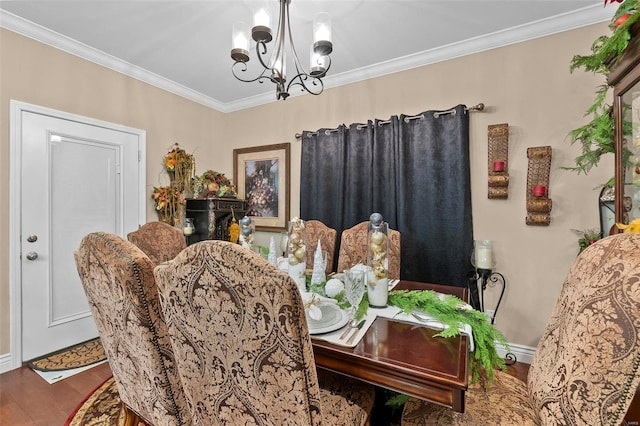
x=32, y=238
x=32, y=255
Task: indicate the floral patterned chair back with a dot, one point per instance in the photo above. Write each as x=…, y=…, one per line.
x=160, y=241
x=238, y=328
x=586, y=368
x=118, y=280
x=353, y=249
x=318, y=231
x=587, y=364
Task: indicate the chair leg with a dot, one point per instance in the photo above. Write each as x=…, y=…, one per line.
x=130, y=418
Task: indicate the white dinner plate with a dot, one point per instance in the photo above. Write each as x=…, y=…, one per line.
x=332, y=319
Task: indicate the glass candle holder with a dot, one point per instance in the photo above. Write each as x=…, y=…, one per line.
x=246, y=232
x=377, y=261
x=297, y=253
x=482, y=256
x=188, y=228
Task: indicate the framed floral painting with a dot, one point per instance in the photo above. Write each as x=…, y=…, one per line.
x=261, y=174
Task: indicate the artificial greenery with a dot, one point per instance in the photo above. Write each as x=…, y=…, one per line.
x=340, y=297
x=598, y=136
x=396, y=400
x=587, y=237
x=448, y=310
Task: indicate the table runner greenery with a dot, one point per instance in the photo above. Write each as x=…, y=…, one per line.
x=451, y=311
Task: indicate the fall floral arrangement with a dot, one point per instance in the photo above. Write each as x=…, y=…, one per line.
x=180, y=167
x=167, y=199
x=214, y=184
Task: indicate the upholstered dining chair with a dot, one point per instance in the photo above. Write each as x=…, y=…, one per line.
x=318, y=231
x=160, y=241
x=238, y=329
x=118, y=280
x=586, y=368
x=353, y=248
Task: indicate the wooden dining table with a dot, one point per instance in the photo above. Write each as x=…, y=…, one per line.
x=406, y=357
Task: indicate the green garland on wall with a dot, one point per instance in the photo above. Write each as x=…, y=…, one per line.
x=597, y=137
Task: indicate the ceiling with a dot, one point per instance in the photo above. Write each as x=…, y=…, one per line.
x=184, y=45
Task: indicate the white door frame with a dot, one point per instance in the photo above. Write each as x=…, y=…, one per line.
x=15, y=202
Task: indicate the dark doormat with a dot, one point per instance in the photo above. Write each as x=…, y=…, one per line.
x=67, y=362
x=80, y=355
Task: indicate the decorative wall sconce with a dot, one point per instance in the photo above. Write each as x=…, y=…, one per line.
x=538, y=201
x=498, y=160
x=483, y=260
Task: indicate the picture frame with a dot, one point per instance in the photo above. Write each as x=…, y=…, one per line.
x=261, y=175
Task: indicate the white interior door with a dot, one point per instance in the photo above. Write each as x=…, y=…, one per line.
x=76, y=178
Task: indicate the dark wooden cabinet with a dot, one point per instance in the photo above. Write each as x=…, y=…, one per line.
x=625, y=79
x=212, y=217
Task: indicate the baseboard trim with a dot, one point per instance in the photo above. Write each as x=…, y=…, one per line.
x=5, y=363
x=523, y=353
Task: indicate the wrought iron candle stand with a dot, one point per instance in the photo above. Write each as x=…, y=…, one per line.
x=488, y=278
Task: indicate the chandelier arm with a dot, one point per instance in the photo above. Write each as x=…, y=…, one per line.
x=300, y=80
x=243, y=68
x=260, y=45
x=296, y=61
x=278, y=56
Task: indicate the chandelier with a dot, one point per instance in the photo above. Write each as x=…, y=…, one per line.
x=274, y=65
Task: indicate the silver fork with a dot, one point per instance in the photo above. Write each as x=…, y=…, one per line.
x=423, y=319
x=355, y=332
x=345, y=333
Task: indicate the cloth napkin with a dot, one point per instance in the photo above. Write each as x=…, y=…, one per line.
x=393, y=312
x=334, y=336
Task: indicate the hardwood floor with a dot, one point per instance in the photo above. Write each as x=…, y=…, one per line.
x=26, y=399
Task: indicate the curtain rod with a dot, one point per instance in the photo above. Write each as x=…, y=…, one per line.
x=478, y=107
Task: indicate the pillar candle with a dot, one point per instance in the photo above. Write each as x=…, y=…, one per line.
x=539, y=191
x=484, y=258
x=484, y=254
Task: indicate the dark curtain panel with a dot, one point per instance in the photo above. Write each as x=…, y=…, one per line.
x=434, y=203
x=321, y=184
x=414, y=171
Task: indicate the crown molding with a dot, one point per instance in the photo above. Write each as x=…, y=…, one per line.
x=559, y=23
x=564, y=22
x=66, y=44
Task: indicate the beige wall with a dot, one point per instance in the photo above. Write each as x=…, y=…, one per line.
x=527, y=85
